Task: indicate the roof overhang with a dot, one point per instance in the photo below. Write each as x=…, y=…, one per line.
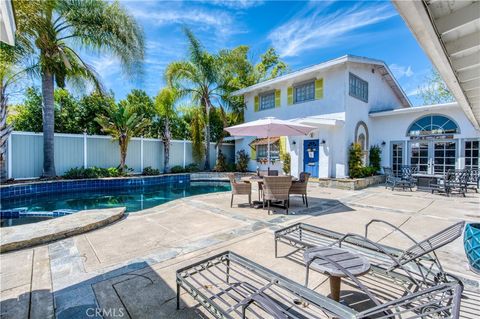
x=417, y=109
x=7, y=22
x=449, y=33
x=289, y=78
x=319, y=121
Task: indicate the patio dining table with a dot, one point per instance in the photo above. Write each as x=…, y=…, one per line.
x=259, y=180
x=424, y=180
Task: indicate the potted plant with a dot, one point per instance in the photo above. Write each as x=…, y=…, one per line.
x=471, y=244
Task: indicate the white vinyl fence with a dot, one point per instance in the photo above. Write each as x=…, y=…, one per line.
x=25, y=153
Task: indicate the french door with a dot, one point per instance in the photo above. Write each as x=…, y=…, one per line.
x=433, y=157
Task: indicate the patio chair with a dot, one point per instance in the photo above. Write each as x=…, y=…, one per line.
x=300, y=187
x=270, y=172
x=393, y=181
x=418, y=264
x=473, y=181
x=228, y=285
x=276, y=188
x=454, y=181
x=408, y=181
x=243, y=188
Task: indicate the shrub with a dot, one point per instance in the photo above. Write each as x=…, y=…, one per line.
x=286, y=159
x=93, y=172
x=150, y=171
x=231, y=167
x=355, y=164
x=221, y=165
x=177, y=169
x=375, y=157
x=242, y=161
x=191, y=168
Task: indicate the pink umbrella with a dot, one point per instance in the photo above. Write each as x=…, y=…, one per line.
x=269, y=127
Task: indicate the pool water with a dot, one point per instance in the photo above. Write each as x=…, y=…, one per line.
x=133, y=198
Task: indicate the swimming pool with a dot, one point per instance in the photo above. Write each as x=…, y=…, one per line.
x=42, y=206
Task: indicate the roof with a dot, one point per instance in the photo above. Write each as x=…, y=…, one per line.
x=416, y=109
x=449, y=33
x=381, y=67
x=264, y=141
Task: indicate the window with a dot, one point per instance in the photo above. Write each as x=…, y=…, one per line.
x=358, y=88
x=262, y=151
x=433, y=125
x=472, y=154
x=304, y=92
x=419, y=156
x=444, y=157
x=397, y=158
x=267, y=101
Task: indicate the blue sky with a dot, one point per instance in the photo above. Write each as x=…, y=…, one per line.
x=303, y=33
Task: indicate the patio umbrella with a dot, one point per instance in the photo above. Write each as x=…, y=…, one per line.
x=269, y=127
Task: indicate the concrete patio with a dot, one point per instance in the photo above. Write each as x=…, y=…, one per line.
x=127, y=269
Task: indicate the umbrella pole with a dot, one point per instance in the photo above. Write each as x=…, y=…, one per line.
x=268, y=155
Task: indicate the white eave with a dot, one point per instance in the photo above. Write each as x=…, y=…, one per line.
x=7, y=22
x=332, y=119
x=380, y=66
x=417, y=109
x=449, y=33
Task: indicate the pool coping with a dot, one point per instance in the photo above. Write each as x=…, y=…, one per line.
x=28, y=235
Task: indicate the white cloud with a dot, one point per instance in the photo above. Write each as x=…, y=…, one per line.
x=235, y=4
x=216, y=20
x=314, y=28
x=399, y=71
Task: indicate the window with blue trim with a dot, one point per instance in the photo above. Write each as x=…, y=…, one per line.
x=305, y=92
x=433, y=125
x=358, y=88
x=267, y=101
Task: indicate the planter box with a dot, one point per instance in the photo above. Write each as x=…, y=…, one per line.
x=351, y=184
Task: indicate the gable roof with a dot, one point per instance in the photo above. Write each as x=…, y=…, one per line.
x=380, y=66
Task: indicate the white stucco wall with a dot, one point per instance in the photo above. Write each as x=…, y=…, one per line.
x=393, y=128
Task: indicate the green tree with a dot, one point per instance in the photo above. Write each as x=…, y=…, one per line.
x=67, y=112
x=57, y=28
x=165, y=109
x=435, y=91
x=122, y=123
x=200, y=78
x=91, y=106
x=28, y=115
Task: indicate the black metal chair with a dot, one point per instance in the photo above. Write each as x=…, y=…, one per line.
x=473, y=181
x=393, y=181
x=454, y=181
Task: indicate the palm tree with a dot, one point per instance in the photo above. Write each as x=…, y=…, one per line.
x=12, y=69
x=122, y=123
x=165, y=109
x=56, y=28
x=201, y=78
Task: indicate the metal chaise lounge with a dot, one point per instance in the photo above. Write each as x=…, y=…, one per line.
x=230, y=286
x=417, y=266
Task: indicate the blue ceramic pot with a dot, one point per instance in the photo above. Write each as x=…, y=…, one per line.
x=471, y=243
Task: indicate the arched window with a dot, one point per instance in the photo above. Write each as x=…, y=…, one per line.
x=433, y=125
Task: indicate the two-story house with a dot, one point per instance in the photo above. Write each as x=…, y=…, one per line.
x=355, y=99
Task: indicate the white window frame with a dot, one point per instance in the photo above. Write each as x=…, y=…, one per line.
x=464, y=146
x=359, y=86
x=262, y=150
x=263, y=96
x=300, y=85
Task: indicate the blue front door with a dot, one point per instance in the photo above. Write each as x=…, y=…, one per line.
x=310, y=157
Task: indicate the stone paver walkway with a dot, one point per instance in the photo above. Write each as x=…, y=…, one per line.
x=127, y=270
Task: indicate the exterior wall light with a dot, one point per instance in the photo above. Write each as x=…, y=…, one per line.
x=384, y=143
